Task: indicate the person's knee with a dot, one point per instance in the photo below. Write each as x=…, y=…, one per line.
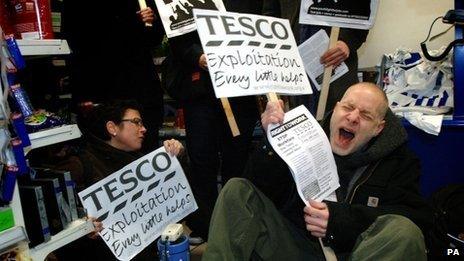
x=403, y=229
x=236, y=188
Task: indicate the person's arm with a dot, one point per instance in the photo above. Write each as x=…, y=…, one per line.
x=187, y=49
x=401, y=196
x=271, y=8
x=151, y=15
x=353, y=38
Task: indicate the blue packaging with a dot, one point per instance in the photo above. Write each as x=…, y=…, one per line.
x=20, y=127
x=11, y=78
x=174, y=251
x=8, y=183
x=15, y=53
x=18, y=152
x=22, y=100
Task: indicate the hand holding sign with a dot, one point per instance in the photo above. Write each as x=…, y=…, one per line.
x=146, y=13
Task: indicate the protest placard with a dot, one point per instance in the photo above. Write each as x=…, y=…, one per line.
x=359, y=14
x=250, y=54
x=137, y=202
x=177, y=15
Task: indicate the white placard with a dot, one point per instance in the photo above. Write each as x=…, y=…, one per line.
x=250, y=54
x=177, y=15
x=357, y=14
x=303, y=145
x=138, y=201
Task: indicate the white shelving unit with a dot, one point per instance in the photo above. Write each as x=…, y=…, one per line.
x=54, y=135
x=12, y=237
x=43, y=47
x=76, y=229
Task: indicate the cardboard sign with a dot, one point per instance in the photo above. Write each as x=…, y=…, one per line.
x=359, y=14
x=177, y=15
x=250, y=54
x=137, y=202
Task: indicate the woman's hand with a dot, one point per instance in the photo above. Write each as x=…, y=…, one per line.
x=202, y=62
x=173, y=147
x=147, y=15
x=98, y=227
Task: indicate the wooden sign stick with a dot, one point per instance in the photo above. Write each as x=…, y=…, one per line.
x=143, y=5
x=272, y=96
x=327, y=77
x=230, y=117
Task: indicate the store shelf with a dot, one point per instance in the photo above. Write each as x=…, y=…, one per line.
x=171, y=132
x=43, y=47
x=12, y=237
x=75, y=230
x=54, y=135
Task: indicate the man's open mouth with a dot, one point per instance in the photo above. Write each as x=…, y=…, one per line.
x=345, y=135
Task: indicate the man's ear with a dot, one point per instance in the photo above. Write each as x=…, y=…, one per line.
x=379, y=128
x=111, y=128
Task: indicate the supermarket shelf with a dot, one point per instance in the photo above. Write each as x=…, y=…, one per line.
x=171, y=132
x=43, y=47
x=12, y=237
x=54, y=135
x=75, y=230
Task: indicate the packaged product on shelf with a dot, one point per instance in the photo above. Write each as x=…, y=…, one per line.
x=15, y=53
x=21, y=99
x=37, y=226
x=42, y=120
x=66, y=184
x=20, y=128
x=6, y=218
x=32, y=19
x=8, y=183
x=53, y=202
x=18, y=151
x=6, y=17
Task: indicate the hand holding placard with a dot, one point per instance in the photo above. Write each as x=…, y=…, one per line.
x=143, y=5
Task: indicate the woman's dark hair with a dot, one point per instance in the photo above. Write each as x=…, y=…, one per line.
x=112, y=111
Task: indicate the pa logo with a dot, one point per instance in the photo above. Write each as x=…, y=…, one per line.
x=452, y=252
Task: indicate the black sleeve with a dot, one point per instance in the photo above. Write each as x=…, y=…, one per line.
x=270, y=174
x=271, y=8
x=187, y=48
x=156, y=32
x=402, y=197
x=354, y=38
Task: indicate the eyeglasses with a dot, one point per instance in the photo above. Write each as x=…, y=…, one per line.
x=136, y=121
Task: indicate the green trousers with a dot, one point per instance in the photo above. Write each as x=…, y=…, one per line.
x=247, y=226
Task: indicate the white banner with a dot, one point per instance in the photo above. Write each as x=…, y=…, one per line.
x=137, y=202
x=177, y=15
x=359, y=14
x=250, y=54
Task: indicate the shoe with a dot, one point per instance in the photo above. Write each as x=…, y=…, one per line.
x=194, y=240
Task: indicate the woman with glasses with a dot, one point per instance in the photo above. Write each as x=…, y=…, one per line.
x=113, y=138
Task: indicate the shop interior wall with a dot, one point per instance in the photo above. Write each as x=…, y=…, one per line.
x=404, y=23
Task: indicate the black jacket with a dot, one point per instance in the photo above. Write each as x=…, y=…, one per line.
x=391, y=174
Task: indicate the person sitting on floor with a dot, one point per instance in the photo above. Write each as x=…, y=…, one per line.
x=113, y=138
x=379, y=209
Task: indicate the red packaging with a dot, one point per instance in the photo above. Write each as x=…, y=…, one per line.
x=32, y=19
x=180, y=122
x=6, y=17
